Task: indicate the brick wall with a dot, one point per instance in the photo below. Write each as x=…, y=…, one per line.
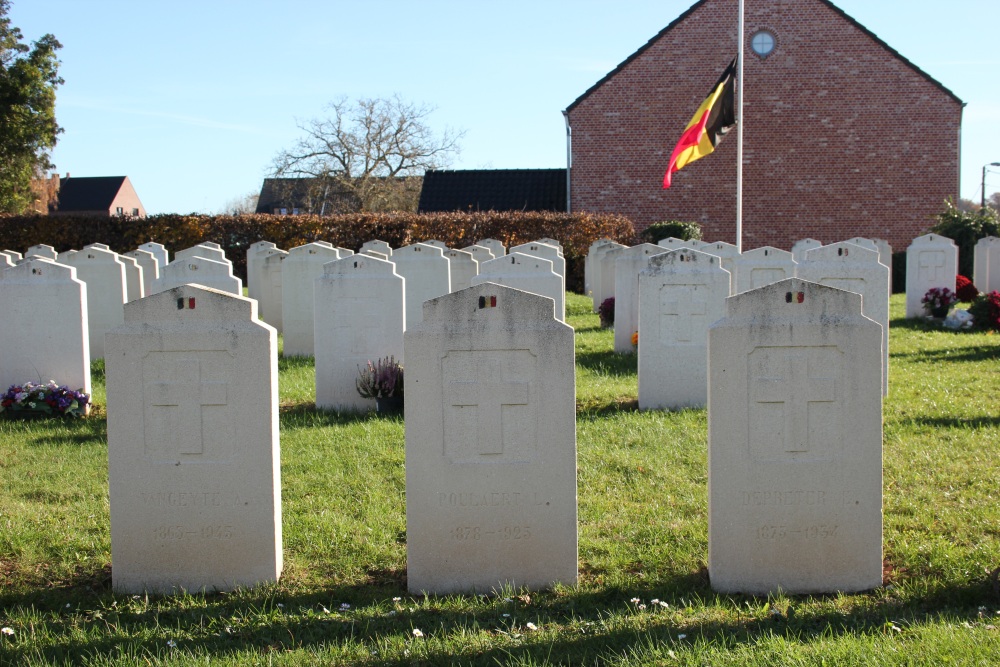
x=842, y=137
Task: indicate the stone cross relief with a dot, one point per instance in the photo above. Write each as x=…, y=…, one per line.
x=487, y=393
x=683, y=312
x=932, y=265
x=183, y=398
x=789, y=383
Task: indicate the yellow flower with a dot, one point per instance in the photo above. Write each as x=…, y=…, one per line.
x=635, y=338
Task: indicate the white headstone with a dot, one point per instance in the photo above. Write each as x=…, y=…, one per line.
x=674, y=243
x=44, y=328
x=880, y=246
x=150, y=268
x=462, y=267
x=795, y=443
x=427, y=274
x=376, y=255
x=378, y=246
x=602, y=282
x=159, y=252
x=551, y=241
x=931, y=261
x=193, y=474
x=436, y=244
x=344, y=252
x=727, y=252
x=802, y=246
x=270, y=286
x=986, y=267
x=359, y=317
x=299, y=271
x=5, y=261
x=14, y=255
x=588, y=271
x=856, y=269
x=207, y=250
x=42, y=250
x=104, y=274
x=497, y=247
x=761, y=266
x=681, y=294
x=628, y=263
x=134, y=280
x=197, y=270
x=253, y=267
x=546, y=251
x=529, y=273
x=64, y=255
x=490, y=415
x=480, y=253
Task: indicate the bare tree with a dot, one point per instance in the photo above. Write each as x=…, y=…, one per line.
x=370, y=151
x=244, y=205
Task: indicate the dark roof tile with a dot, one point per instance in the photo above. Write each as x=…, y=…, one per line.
x=493, y=190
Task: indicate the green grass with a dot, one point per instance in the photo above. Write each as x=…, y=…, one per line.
x=643, y=534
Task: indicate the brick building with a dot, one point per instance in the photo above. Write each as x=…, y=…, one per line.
x=843, y=136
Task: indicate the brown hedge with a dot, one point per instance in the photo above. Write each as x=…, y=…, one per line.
x=575, y=231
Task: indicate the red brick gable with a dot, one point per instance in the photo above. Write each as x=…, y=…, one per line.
x=843, y=137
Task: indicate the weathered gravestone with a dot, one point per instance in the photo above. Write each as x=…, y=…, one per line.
x=254, y=258
x=761, y=266
x=795, y=443
x=628, y=263
x=856, y=269
x=802, y=246
x=496, y=247
x=44, y=327
x=193, y=454
x=206, y=250
x=427, y=273
x=986, y=267
x=378, y=246
x=299, y=271
x=359, y=317
x=150, y=268
x=681, y=293
x=727, y=252
x=436, y=244
x=674, y=243
x=480, y=253
x=135, y=281
x=490, y=444
x=462, y=267
x=588, y=271
x=602, y=281
x=931, y=261
x=525, y=272
x=104, y=274
x=42, y=250
x=269, y=303
x=545, y=251
x=551, y=241
x=159, y=252
x=197, y=270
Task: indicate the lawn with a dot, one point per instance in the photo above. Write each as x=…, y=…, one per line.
x=643, y=597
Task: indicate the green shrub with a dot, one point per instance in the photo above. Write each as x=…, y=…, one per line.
x=686, y=231
x=965, y=229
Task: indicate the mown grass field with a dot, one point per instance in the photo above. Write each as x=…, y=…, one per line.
x=643, y=597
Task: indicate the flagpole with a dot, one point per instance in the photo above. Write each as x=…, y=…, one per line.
x=739, y=135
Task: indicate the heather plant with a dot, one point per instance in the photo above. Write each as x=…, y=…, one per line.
x=985, y=311
x=965, y=290
x=380, y=379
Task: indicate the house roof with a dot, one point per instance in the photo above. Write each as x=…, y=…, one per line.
x=493, y=190
x=89, y=193
x=698, y=4
x=298, y=192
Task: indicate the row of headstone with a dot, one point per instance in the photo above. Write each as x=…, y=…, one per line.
x=794, y=439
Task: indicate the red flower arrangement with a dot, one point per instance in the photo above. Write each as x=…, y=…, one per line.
x=985, y=311
x=965, y=290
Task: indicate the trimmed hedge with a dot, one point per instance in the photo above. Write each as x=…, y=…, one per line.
x=576, y=231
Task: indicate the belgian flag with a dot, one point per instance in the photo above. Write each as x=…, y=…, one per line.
x=714, y=118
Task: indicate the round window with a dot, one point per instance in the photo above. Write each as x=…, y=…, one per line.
x=762, y=43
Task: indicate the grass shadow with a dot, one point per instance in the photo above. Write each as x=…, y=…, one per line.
x=609, y=363
x=303, y=415
x=972, y=353
x=953, y=422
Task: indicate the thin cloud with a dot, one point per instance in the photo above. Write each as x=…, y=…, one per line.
x=182, y=119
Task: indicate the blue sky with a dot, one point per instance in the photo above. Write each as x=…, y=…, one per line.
x=192, y=99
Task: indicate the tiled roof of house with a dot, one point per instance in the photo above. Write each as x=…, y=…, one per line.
x=89, y=193
x=493, y=190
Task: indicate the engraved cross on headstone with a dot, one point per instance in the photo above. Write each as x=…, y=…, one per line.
x=680, y=308
x=488, y=394
x=795, y=389
x=932, y=265
x=185, y=397
x=360, y=323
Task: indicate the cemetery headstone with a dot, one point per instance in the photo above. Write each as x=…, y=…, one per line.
x=14, y=255
x=480, y=253
x=545, y=251
x=299, y=271
x=802, y=246
x=193, y=452
x=150, y=268
x=253, y=267
x=198, y=270
x=628, y=263
x=42, y=250
x=931, y=261
x=795, y=443
x=436, y=244
x=378, y=246
x=427, y=273
x=134, y=280
x=602, y=283
x=44, y=328
x=761, y=266
x=727, y=252
x=270, y=286
x=588, y=271
x=104, y=274
x=490, y=444
x=61, y=258
x=5, y=261
x=159, y=252
x=681, y=293
x=854, y=268
x=525, y=272
x=986, y=264
x=462, y=267
x=496, y=247
x=207, y=250
x=359, y=317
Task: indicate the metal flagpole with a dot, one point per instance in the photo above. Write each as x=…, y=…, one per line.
x=739, y=135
